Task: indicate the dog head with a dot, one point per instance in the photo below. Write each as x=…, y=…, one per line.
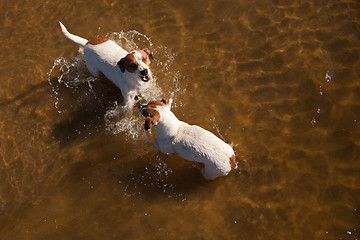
x=137, y=62
x=151, y=111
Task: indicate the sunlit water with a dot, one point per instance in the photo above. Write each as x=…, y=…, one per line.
x=278, y=80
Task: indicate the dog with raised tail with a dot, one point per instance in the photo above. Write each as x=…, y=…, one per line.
x=128, y=71
x=190, y=142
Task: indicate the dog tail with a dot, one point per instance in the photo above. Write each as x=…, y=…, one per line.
x=76, y=39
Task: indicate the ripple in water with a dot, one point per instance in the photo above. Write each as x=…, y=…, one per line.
x=71, y=73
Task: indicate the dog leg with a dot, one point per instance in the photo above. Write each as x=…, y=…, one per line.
x=199, y=165
x=156, y=145
x=206, y=175
x=93, y=71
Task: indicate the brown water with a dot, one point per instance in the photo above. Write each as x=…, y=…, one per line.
x=280, y=80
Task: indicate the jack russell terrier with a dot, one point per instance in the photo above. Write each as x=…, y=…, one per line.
x=126, y=70
x=189, y=141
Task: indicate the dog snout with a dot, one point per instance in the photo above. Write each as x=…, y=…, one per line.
x=144, y=72
x=141, y=107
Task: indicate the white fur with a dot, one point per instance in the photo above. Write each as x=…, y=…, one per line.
x=192, y=143
x=104, y=58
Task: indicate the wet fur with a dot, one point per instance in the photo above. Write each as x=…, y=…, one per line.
x=128, y=71
x=191, y=142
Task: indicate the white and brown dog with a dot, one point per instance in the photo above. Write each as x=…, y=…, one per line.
x=128, y=71
x=189, y=141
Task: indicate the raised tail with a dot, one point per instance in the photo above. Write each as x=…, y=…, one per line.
x=76, y=39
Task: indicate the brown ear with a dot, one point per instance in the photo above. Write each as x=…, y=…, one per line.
x=121, y=64
x=148, y=123
x=151, y=57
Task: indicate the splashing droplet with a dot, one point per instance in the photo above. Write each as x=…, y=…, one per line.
x=328, y=76
x=71, y=73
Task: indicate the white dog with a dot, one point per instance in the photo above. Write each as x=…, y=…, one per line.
x=128, y=71
x=189, y=141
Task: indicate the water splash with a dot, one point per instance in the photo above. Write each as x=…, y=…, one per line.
x=328, y=76
x=357, y=123
x=71, y=73
x=119, y=120
x=130, y=40
x=154, y=177
x=313, y=120
x=216, y=127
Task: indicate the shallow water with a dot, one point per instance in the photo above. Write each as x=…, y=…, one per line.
x=279, y=80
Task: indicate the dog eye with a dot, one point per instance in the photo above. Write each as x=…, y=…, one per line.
x=144, y=60
x=133, y=65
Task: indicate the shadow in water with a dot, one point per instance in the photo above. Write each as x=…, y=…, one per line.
x=84, y=106
x=156, y=175
x=25, y=95
x=106, y=159
x=152, y=176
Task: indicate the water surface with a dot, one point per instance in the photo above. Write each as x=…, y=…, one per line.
x=279, y=80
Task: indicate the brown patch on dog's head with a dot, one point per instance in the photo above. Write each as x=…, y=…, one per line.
x=97, y=41
x=162, y=102
x=146, y=56
x=148, y=111
x=129, y=63
x=232, y=162
x=152, y=117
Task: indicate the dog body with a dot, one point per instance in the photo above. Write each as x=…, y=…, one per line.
x=128, y=71
x=191, y=142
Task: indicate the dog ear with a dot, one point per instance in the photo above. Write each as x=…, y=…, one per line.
x=151, y=57
x=121, y=64
x=148, y=123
